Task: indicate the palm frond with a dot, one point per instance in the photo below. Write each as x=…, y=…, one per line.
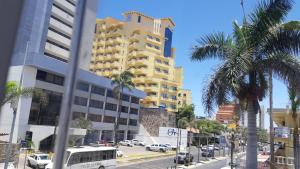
x=283, y=41
x=267, y=15
x=284, y=66
x=212, y=46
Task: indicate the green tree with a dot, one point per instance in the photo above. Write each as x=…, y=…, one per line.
x=13, y=92
x=246, y=57
x=185, y=118
x=120, y=82
x=295, y=103
x=262, y=135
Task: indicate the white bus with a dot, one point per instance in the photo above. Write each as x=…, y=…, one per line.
x=88, y=157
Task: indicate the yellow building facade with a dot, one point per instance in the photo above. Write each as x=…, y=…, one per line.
x=283, y=118
x=184, y=97
x=142, y=45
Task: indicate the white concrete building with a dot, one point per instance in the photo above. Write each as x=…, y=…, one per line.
x=40, y=59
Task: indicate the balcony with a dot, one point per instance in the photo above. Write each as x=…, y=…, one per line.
x=65, y=5
x=57, y=38
x=62, y=15
x=57, y=51
x=135, y=62
x=60, y=27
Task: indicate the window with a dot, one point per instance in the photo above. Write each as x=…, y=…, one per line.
x=164, y=95
x=94, y=117
x=110, y=93
x=184, y=94
x=173, y=97
x=157, y=47
x=173, y=106
x=139, y=19
x=179, y=94
x=98, y=90
x=174, y=88
x=157, y=39
x=125, y=97
x=166, y=71
x=135, y=100
x=109, y=119
x=96, y=104
x=49, y=77
x=82, y=86
x=132, y=122
x=122, y=121
x=78, y=115
x=110, y=106
x=124, y=109
x=80, y=101
x=134, y=111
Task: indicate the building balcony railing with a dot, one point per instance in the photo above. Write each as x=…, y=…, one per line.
x=281, y=160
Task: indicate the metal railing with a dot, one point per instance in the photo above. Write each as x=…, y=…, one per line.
x=281, y=160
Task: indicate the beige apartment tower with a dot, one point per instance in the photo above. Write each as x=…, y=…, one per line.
x=142, y=45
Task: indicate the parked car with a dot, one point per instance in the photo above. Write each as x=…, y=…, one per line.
x=38, y=160
x=119, y=153
x=170, y=147
x=126, y=143
x=184, y=157
x=209, y=147
x=138, y=142
x=207, y=153
x=157, y=147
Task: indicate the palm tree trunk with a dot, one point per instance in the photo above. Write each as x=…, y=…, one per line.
x=119, y=115
x=189, y=148
x=296, y=143
x=251, y=152
x=8, y=148
x=206, y=147
x=271, y=119
x=232, y=146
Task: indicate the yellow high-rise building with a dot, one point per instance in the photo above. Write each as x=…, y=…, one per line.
x=184, y=97
x=142, y=45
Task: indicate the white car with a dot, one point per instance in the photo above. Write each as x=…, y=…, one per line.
x=119, y=153
x=38, y=160
x=170, y=147
x=126, y=143
x=138, y=142
x=157, y=147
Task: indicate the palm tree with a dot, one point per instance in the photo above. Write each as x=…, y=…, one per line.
x=247, y=55
x=120, y=82
x=13, y=92
x=186, y=119
x=295, y=103
x=203, y=129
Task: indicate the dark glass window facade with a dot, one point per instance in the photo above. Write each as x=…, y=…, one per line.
x=49, y=77
x=110, y=93
x=48, y=114
x=134, y=111
x=98, y=90
x=110, y=106
x=82, y=86
x=109, y=119
x=168, y=42
x=135, y=100
x=122, y=121
x=133, y=122
x=96, y=104
x=125, y=97
x=123, y=109
x=78, y=115
x=94, y=117
x=80, y=101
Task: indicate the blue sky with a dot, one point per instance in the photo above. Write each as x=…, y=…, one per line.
x=193, y=19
